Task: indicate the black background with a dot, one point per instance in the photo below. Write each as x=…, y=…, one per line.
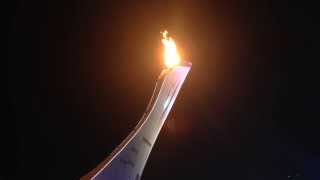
x=80, y=74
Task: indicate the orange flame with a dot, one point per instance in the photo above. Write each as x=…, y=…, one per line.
x=171, y=55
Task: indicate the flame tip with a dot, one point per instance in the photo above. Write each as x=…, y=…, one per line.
x=171, y=55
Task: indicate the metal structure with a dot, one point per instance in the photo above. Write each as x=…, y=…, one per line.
x=128, y=160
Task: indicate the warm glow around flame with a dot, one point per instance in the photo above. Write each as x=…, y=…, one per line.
x=171, y=55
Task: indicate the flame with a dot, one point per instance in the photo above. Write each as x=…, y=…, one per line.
x=171, y=55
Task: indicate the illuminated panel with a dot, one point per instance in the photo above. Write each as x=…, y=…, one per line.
x=128, y=160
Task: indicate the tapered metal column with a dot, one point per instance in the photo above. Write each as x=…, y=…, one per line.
x=128, y=160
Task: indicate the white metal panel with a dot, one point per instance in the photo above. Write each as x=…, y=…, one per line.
x=128, y=160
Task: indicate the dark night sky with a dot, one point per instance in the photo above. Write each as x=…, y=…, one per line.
x=80, y=74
